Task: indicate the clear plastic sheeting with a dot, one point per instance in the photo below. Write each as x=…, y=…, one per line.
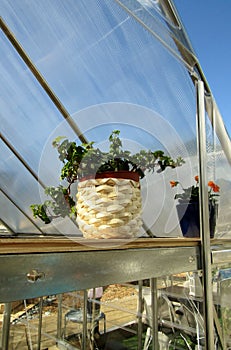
x=4, y=230
x=161, y=20
x=218, y=168
x=110, y=65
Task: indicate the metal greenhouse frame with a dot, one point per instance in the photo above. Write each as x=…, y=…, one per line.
x=36, y=262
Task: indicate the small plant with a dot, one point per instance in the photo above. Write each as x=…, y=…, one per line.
x=85, y=160
x=192, y=193
x=62, y=204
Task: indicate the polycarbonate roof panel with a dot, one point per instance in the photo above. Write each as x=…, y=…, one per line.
x=18, y=190
x=15, y=218
x=160, y=19
x=109, y=71
x=4, y=229
x=27, y=114
x=93, y=52
x=219, y=169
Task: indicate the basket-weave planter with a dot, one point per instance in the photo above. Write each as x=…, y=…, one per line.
x=109, y=206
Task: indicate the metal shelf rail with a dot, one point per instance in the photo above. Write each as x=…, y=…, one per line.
x=32, y=267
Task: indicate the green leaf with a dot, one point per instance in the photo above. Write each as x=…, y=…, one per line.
x=85, y=159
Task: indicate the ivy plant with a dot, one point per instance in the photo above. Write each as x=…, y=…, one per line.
x=85, y=160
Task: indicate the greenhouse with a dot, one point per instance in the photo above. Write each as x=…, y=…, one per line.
x=115, y=195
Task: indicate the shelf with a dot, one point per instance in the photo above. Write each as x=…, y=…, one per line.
x=63, y=265
x=52, y=244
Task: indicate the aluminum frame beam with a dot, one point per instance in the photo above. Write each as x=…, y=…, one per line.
x=34, y=275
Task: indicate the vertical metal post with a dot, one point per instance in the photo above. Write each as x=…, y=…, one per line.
x=84, y=333
x=59, y=316
x=6, y=326
x=40, y=323
x=154, y=303
x=92, y=322
x=204, y=218
x=140, y=310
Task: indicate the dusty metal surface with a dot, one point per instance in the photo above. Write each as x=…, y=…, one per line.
x=221, y=256
x=32, y=268
x=34, y=275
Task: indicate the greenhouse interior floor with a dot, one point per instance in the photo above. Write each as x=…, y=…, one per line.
x=119, y=304
x=117, y=330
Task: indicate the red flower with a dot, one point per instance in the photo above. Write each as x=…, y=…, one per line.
x=174, y=183
x=214, y=187
x=192, y=192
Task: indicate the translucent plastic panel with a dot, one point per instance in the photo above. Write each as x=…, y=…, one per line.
x=97, y=53
x=27, y=115
x=23, y=190
x=160, y=18
x=15, y=218
x=4, y=229
x=142, y=129
x=219, y=170
x=225, y=286
x=19, y=188
x=223, y=173
x=110, y=72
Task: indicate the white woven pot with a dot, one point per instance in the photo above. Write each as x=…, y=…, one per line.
x=109, y=208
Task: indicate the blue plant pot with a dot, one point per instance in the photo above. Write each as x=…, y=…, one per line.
x=189, y=218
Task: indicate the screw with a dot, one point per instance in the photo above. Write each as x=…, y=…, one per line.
x=34, y=275
x=191, y=259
